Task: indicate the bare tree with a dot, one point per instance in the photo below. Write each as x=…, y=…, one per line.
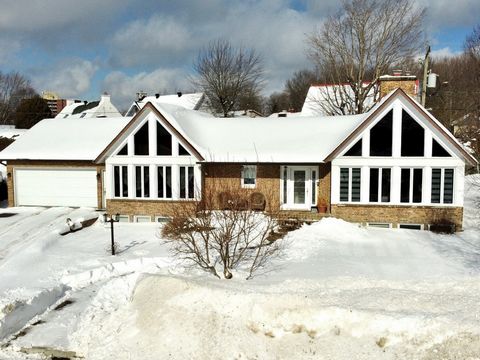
x=14, y=87
x=297, y=87
x=472, y=43
x=359, y=44
x=224, y=231
x=226, y=74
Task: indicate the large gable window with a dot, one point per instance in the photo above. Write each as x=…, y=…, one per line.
x=355, y=150
x=381, y=136
x=438, y=150
x=164, y=141
x=350, y=184
x=164, y=178
x=123, y=151
x=411, y=185
x=413, y=136
x=141, y=140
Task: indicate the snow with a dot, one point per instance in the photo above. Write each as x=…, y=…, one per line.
x=65, y=139
x=191, y=101
x=292, y=139
x=8, y=131
x=340, y=291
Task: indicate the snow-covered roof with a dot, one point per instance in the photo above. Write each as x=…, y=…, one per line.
x=95, y=109
x=320, y=98
x=65, y=139
x=295, y=139
x=191, y=101
x=9, y=131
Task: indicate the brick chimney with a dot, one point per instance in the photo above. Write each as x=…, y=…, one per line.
x=399, y=79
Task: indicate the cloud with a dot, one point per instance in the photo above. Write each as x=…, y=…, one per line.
x=123, y=87
x=68, y=78
x=445, y=13
x=444, y=52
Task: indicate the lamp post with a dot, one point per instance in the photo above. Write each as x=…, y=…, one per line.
x=112, y=219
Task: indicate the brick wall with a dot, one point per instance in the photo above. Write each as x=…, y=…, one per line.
x=399, y=214
x=12, y=164
x=228, y=176
x=324, y=184
x=150, y=208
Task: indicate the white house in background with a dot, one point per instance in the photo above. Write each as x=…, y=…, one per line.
x=191, y=101
x=95, y=109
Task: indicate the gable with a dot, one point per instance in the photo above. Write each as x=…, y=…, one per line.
x=140, y=123
x=416, y=125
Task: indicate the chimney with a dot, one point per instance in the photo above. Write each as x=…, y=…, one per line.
x=105, y=97
x=179, y=94
x=406, y=82
x=157, y=95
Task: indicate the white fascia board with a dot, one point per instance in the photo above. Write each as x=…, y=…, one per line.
x=402, y=162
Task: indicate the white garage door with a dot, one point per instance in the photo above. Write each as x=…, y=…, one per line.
x=49, y=187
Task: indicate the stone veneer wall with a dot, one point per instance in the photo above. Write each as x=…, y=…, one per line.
x=396, y=214
x=12, y=164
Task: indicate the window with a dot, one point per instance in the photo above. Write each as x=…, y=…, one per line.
x=182, y=151
x=164, y=178
x=83, y=115
x=162, y=219
x=187, y=182
x=124, y=150
x=314, y=187
x=442, y=186
x=164, y=141
x=381, y=136
x=411, y=226
x=124, y=218
x=249, y=176
x=355, y=150
x=413, y=136
x=141, y=140
x=380, y=184
x=142, y=218
x=285, y=177
x=438, y=150
x=142, y=181
x=350, y=184
x=380, y=225
x=411, y=185
x=120, y=181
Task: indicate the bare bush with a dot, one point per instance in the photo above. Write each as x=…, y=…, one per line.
x=224, y=231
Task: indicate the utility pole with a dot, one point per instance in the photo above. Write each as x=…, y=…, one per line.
x=425, y=75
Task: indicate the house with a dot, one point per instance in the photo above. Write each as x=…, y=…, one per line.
x=333, y=99
x=95, y=109
x=191, y=101
x=393, y=166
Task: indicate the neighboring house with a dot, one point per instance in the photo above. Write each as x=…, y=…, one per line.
x=95, y=109
x=393, y=166
x=188, y=101
x=8, y=132
x=334, y=99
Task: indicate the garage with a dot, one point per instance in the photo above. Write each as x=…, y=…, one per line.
x=56, y=187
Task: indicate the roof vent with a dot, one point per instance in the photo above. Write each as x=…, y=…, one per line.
x=179, y=94
x=157, y=96
x=282, y=115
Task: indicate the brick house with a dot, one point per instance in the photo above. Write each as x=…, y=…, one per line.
x=393, y=166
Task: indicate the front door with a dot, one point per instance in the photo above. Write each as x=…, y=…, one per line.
x=300, y=188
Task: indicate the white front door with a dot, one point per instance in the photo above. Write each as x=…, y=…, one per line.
x=300, y=187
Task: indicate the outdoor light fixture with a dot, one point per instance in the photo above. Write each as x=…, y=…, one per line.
x=111, y=219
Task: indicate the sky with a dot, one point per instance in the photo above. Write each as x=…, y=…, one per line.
x=79, y=49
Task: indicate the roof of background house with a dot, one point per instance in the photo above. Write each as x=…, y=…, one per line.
x=65, y=139
x=9, y=131
x=68, y=110
x=191, y=101
x=317, y=99
x=102, y=108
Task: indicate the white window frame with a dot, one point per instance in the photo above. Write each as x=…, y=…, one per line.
x=120, y=172
x=142, y=182
x=142, y=218
x=410, y=189
x=162, y=219
x=380, y=186
x=245, y=171
x=187, y=193
x=124, y=218
x=442, y=185
x=379, y=225
x=350, y=178
x=164, y=182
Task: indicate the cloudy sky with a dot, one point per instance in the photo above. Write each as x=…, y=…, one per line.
x=81, y=48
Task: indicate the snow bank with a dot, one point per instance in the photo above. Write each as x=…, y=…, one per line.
x=176, y=316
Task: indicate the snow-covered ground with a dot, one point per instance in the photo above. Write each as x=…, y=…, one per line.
x=339, y=292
